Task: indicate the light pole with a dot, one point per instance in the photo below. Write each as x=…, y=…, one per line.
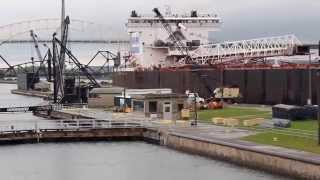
x=310, y=81
x=318, y=98
x=195, y=110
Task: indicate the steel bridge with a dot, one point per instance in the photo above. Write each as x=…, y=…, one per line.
x=81, y=31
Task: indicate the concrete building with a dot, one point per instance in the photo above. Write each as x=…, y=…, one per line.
x=165, y=106
x=103, y=97
x=108, y=97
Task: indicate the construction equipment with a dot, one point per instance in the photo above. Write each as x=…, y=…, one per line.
x=42, y=60
x=10, y=67
x=82, y=68
x=58, y=60
x=36, y=44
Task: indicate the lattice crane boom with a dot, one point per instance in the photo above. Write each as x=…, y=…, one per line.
x=177, y=42
x=245, y=50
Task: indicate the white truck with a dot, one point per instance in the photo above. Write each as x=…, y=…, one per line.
x=194, y=96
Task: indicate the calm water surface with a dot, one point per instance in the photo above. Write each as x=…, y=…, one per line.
x=117, y=161
x=105, y=160
x=10, y=100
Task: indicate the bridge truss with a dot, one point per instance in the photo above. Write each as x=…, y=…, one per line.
x=83, y=30
x=80, y=31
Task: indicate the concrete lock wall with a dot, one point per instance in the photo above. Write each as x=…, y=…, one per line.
x=256, y=86
x=263, y=161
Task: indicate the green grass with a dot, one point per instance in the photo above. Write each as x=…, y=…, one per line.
x=309, y=125
x=291, y=142
x=286, y=141
x=234, y=112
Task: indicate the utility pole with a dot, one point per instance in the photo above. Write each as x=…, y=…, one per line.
x=195, y=122
x=310, y=81
x=318, y=98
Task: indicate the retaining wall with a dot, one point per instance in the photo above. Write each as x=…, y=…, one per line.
x=246, y=156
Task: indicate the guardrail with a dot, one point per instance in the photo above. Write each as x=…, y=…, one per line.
x=286, y=131
x=64, y=125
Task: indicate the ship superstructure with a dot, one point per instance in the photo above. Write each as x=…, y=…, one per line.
x=151, y=44
x=172, y=40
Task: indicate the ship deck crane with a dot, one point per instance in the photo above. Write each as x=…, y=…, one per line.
x=177, y=42
x=181, y=47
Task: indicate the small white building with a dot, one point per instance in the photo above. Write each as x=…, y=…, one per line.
x=164, y=106
x=105, y=97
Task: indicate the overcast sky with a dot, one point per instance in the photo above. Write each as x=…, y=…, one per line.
x=242, y=18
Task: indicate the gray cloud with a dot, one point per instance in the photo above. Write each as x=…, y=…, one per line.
x=242, y=18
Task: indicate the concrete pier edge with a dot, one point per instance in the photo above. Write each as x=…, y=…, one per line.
x=267, y=161
x=274, y=162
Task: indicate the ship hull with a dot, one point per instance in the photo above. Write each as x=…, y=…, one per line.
x=263, y=86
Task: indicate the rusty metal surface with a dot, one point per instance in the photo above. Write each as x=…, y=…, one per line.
x=258, y=86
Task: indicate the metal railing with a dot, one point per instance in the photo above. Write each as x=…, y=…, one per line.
x=284, y=131
x=64, y=125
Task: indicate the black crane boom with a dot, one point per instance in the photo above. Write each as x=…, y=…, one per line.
x=177, y=42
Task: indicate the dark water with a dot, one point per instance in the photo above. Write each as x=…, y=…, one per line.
x=116, y=161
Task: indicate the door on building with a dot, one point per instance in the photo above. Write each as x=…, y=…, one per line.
x=153, y=106
x=167, y=111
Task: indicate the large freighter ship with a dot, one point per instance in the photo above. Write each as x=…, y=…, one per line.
x=173, y=40
x=180, y=52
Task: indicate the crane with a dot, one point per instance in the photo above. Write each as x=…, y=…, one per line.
x=36, y=44
x=181, y=47
x=82, y=68
x=58, y=60
x=177, y=42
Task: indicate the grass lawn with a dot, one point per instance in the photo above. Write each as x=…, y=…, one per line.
x=286, y=141
x=233, y=112
x=309, y=125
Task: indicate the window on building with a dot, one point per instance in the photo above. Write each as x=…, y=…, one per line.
x=138, y=106
x=167, y=109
